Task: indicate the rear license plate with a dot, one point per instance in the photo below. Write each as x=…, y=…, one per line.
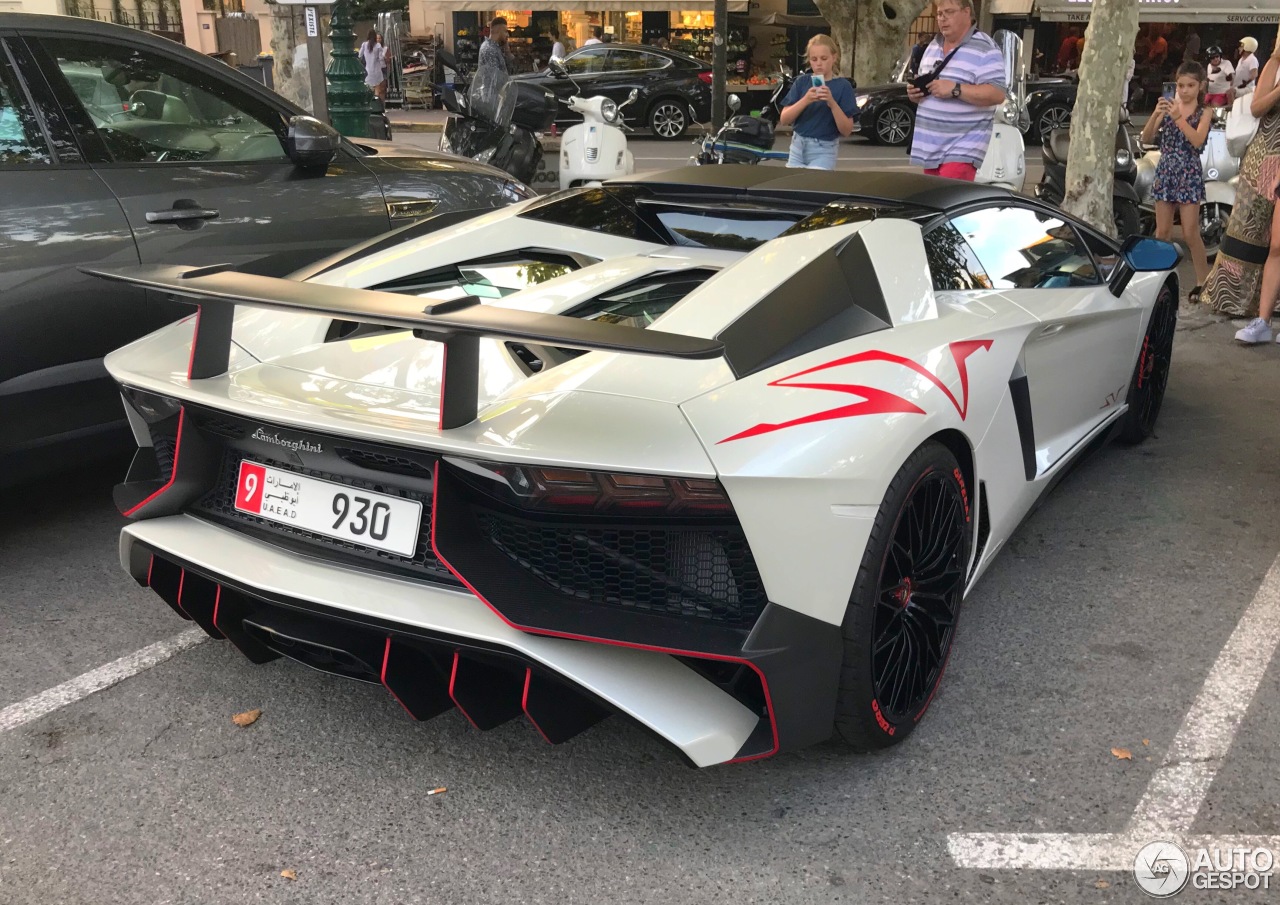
x=362, y=517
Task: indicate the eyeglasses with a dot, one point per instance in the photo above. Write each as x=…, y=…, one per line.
x=947, y=13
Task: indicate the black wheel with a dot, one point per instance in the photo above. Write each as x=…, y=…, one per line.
x=1127, y=220
x=893, y=125
x=1213, y=226
x=668, y=119
x=1054, y=116
x=1151, y=373
x=906, y=599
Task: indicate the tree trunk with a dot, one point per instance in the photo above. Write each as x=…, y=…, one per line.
x=1108, y=46
x=870, y=47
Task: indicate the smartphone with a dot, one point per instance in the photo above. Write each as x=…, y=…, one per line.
x=818, y=80
x=1170, y=89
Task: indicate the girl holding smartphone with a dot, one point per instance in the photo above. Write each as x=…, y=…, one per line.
x=821, y=106
x=1180, y=124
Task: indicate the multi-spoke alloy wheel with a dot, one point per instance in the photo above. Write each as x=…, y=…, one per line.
x=1055, y=116
x=668, y=120
x=893, y=125
x=902, y=614
x=1151, y=373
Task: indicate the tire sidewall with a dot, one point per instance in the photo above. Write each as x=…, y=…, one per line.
x=893, y=108
x=860, y=720
x=653, y=112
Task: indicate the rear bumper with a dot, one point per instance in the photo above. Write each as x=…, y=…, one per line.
x=436, y=647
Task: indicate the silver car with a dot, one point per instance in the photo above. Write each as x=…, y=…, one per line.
x=121, y=147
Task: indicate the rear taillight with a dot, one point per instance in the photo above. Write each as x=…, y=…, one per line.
x=705, y=77
x=546, y=488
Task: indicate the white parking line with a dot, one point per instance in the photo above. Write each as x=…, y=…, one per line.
x=1178, y=789
x=59, y=696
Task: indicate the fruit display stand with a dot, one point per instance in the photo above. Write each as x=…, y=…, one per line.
x=755, y=92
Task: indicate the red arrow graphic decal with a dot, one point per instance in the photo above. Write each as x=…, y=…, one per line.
x=875, y=402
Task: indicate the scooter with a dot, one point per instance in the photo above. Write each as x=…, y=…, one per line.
x=596, y=148
x=1125, y=199
x=1005, y=163
x=498, y=123
x=1220, y=175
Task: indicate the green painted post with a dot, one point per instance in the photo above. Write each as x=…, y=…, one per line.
x=350, y=100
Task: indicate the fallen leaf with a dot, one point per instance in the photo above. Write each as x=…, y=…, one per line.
x=1122, y=753
x=1147, y=759
x=289, y=874
x=1101, y=884
x=1146, y=741
x=248, y=718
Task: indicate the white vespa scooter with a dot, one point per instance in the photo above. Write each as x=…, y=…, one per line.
x=596, y=148
x=1006, y=161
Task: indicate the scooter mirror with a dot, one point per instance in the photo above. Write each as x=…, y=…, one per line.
x=556, y=67
x=631, y=98
x=735, y=103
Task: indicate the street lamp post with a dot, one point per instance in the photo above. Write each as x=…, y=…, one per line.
x=350, y=100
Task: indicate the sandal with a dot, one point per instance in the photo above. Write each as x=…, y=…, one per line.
x=1194, y=295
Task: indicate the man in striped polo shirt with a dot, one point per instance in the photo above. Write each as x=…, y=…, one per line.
x=956, y=107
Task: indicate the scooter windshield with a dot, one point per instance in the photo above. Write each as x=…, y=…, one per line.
x=492, y=96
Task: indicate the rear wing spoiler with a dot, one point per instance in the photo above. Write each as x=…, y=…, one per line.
x=459, y=324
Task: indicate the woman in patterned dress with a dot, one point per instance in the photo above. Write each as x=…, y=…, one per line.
x=1248, y=267
x=1181, y=126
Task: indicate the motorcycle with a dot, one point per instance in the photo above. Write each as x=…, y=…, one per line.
x=1125, y=199
x=596, y=148
x=1220, y=172
x=745, y=139
x=498, y=122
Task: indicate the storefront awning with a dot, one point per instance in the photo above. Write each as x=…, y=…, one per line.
x=1229, y=12
x=783, y=19
x=595, y=6
x=1009, y=7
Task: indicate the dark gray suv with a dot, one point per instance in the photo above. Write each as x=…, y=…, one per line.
x=120, y=147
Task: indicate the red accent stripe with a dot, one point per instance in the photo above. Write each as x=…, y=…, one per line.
x=182, y=580
x=217, y=599
x=773, y=723
x=173, y=472
x=195, y=337
x=386, y=658
x=151, y=564
x=524, y=705
x=453, y=677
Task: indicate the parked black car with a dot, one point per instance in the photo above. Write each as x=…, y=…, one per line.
x=669, y=83
x=120, y=147
x=887, y=116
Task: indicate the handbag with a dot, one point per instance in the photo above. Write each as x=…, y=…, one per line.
x=1242, y=126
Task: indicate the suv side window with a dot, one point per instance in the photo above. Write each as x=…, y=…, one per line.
x=951, y=261
x=634, y=60
x=587, y=61
x=152, y=108
x=1021, y=248
x=21, y=138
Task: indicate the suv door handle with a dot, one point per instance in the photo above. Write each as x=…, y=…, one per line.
x=181, y=215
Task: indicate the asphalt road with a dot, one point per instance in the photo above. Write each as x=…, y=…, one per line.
x=1096, y=629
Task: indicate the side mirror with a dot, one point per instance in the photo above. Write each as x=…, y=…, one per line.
x=1142, y=254
x=635, y=93
x=735, y=103
x=556, y=67
x=311, y=144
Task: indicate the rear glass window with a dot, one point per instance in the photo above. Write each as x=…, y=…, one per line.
x=486, y=278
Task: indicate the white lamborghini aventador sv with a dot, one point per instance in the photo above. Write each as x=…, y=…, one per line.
x=720, y=450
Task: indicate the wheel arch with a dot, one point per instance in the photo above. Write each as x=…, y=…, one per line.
x=960, y=447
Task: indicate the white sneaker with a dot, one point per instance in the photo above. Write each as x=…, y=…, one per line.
x=1258, y=331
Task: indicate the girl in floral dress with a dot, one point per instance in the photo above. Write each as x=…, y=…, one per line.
x=1181, y=126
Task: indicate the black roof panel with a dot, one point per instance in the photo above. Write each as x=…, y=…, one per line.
x=745, y=180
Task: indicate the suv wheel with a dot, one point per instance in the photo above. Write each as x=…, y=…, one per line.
x=668, y=119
